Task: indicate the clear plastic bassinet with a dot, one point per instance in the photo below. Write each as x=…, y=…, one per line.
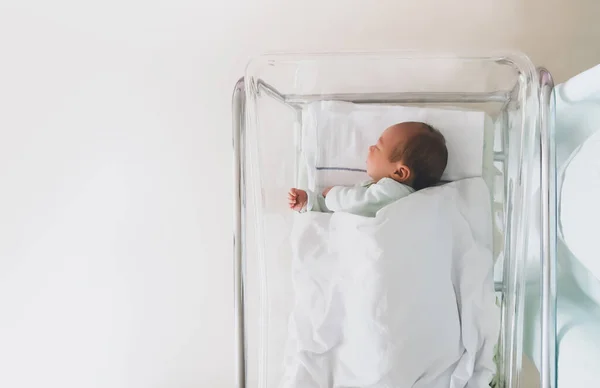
x=519, y=169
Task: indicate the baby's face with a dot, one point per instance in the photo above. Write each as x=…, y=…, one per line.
x=378, y=161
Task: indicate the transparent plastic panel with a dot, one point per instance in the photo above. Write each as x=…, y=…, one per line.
x=279, y=86
x=324, y=74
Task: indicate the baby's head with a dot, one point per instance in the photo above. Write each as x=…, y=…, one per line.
x=412, y=153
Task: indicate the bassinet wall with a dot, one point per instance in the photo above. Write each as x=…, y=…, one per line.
x=287, y=83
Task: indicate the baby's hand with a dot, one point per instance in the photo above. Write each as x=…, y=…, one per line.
x=297, y=199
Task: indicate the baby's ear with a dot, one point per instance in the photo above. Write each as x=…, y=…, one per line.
x=403, y=173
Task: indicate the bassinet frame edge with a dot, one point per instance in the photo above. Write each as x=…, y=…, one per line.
x=548, y=217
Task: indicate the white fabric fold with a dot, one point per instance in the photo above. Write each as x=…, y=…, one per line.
x=405, y=299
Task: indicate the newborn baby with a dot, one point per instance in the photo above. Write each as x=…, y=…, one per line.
x=407, y=157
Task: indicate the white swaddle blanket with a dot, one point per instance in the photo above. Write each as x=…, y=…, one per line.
x=405, y=299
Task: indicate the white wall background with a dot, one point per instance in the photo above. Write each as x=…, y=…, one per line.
x=115, y=164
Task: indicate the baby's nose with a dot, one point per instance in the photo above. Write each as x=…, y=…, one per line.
x=371, y=148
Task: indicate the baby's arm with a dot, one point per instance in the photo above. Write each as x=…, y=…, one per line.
x=316, y=202
x=361, y=199
x=301, y=201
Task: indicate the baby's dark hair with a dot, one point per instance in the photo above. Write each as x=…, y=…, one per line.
x=425, y=154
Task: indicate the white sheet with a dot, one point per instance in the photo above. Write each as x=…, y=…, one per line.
x=580, y=210
x=336, y=135
x=578, y=318
x=404, y=299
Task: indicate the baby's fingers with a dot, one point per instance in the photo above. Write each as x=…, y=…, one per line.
x=293, y=199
